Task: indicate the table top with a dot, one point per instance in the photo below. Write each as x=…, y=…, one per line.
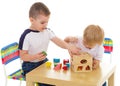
x=71, y=78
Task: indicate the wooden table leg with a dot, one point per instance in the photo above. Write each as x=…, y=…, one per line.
x=28, y=83
x=111, y=80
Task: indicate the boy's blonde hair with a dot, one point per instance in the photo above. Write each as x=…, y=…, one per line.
x=93, y=34
x=37, y=9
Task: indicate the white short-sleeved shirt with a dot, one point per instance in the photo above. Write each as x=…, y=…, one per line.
x=96, y=52
x=35, y=41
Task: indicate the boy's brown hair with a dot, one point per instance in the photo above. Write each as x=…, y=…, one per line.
x=93, y=34
x=37, y=9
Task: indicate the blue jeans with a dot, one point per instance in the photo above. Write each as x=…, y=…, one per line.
x=104, y=84
x=29, y=66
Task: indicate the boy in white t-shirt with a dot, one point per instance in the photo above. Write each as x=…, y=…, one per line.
x=91, y=42
x=35, y=39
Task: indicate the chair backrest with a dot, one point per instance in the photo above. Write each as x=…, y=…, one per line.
x=10, y=58
x=108, y=48
x=108, y=45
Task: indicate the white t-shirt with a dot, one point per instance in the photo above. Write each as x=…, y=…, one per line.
x=35, y=41
x=96, y=52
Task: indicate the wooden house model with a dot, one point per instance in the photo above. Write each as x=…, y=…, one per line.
x=82, y=62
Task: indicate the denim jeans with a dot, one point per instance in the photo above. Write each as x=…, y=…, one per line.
x=105, y=84
x=29, y=66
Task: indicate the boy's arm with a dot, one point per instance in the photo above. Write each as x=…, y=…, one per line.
x=65, y=45
x=27, y=57
x=98, y=58
x=96, y=63
x=67, y=39
x=71, y=39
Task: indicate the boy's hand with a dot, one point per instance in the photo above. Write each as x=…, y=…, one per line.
x=96, y=64
x=41, y=56
x=73, y=50
x=44, y=53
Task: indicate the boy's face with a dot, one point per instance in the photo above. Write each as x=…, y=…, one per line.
x=88, y=45
x=39, y=23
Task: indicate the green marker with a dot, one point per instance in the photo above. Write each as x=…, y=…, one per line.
x=44, y=53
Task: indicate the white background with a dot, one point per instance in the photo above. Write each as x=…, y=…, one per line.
x=68, y=17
